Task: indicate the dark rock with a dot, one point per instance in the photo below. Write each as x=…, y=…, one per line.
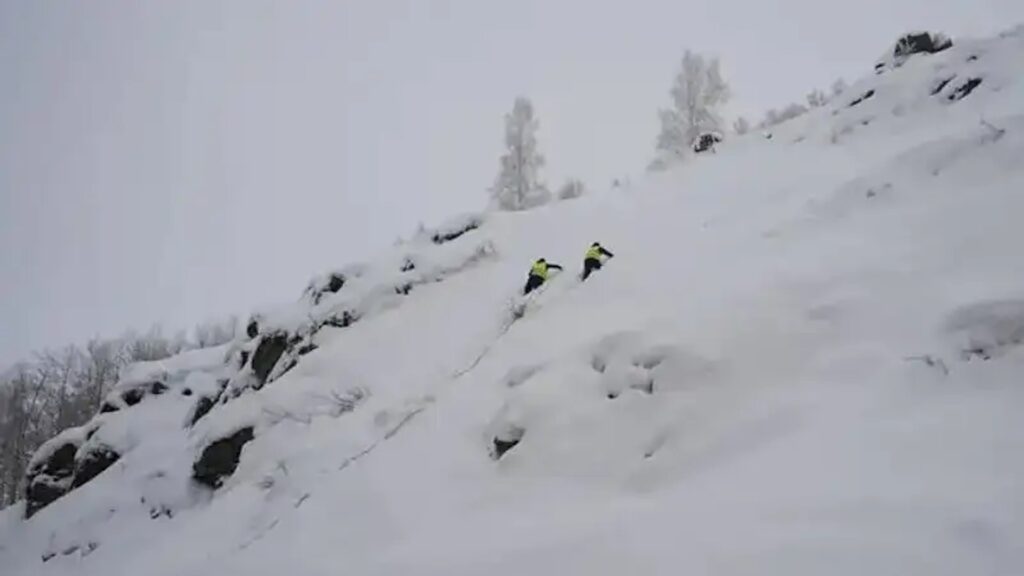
x=910, y=44
x=267, y=354
x=706, y=142
x=133, y=396
x=49, y=480
x=94, y=462
x=107, y=407
x=963, y=90
x=243, y=359
x=157, y=388
x=408, y=265
x=70, y=550
x=920, y=42
x=506, y=441
x=335, y=283
x=501, y=446
x=451, y=234
x=404, y=289
x=345, y=320
x=319, y=287
x=40, y=494
x=253, y=328
x=206, y=403
x=158, y=511
x=202, y=408
x=306, y=349
x=220, y=459
x=867, y=95
x=186, y=391
x=941, y=84
x=62, y=462
x=292, y=362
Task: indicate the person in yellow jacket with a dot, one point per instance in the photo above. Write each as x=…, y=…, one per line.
x=592, y=259
x=538, y=274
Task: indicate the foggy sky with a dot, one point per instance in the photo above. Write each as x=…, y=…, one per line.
x=181, y=160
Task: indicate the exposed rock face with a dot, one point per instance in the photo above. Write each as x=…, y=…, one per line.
x=330, y=284
x=65, y=469
x=203, y=407
x=93, y=463
x=252, y=329
x=706, y=142
x=921, y=42
x=506, y=441
x=219, y=460
x=910, y=44
x=455, y=229
x=267, y=354
x=50, y=479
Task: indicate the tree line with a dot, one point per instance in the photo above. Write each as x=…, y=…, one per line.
x=698, y=94
x=63, y=388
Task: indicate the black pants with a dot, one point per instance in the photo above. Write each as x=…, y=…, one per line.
x=589, y=265
x=532, y=283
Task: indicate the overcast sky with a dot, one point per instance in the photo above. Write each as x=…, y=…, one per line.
x=174, y=161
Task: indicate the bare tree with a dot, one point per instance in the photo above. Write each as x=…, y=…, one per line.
x=59, y=389
x=104, y=360
x=773, y=117
x=150, y=346
x=23, y=428
x=215, y=333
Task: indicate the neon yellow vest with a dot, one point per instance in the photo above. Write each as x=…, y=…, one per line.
x=593, y=252
x=540, y=269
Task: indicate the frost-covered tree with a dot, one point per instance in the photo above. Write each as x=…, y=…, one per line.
x=741, y=126
x=773, y=117
x=518, y=185
x=698, y=93
x=571, y=189
x=816, y=99
x=838, y=87
x=215, y=333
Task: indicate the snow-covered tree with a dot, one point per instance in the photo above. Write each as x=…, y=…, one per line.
x=215, y=333
x=773, y=116
x=571, y=189
x=838, y=87
x=816, y=99
x=698, y=93
x=518, y=185
x=741, y=126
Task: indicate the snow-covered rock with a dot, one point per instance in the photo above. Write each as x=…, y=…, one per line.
x=805, y=358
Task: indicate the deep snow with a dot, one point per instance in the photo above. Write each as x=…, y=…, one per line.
x=806, y=358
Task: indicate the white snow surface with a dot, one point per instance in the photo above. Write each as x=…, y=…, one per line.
x=807, y=357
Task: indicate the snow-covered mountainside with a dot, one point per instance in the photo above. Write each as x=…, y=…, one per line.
x=806, y=357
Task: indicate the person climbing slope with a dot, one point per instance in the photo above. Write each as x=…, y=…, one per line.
x=538, y=275
x=592, y=260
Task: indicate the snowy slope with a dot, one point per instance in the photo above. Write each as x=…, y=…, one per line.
x=805, y=358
